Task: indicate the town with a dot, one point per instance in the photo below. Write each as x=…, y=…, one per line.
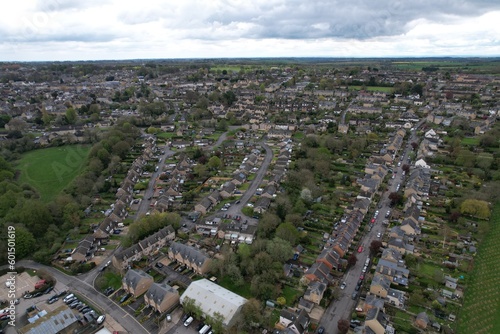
x=251, y=195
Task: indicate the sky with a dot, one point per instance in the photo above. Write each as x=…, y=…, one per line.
x=58, y=30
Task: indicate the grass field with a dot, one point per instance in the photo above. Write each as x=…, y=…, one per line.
x=481, y=310
x=50, y=170
x=373, y=89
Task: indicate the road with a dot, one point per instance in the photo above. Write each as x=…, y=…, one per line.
x=344, y=305
x=106, y=305
x=148, y=193
x=235, y=209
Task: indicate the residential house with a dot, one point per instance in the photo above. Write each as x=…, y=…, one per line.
x=262, y=205
x=314, y=292
x=380, y=285
x=330, y=258
x=189, y=256
x=422, y=320
x=161, y=297
x=376, y=320
x=318, y=272
x=293, y=322
x=228, y=189
x=124, y=259
x=204, y=205
x=157, y=240
x=409, y=227
x=136, y=282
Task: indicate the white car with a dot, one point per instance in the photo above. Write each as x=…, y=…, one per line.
x=101, y=318
x=379, y=235
x=364, y=269
x=342, y=287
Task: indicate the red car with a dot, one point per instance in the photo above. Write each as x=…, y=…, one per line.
x=360, y=249
x=362, y=277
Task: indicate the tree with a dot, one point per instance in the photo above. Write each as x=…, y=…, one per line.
x=406, y=168
x=343, y=326
x=251, y=313
x=375, y=246
x=24, y=242
x=475, y=208
x=288, y=232
x=351, y=260
x=267, y=224
x=280, y=250
x=396, y=198
x=16, y=124
x=71, y=115
x=414, y=145
x=214, y=163
x=454, y=216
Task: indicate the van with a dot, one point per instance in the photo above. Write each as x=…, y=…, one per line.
x=204, y=329
x=188, y=321
x=68, y=297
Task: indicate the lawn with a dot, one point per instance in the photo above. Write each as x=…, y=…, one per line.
x=373, y=88
x=243, y=291
x=50, y=170
x=109, y=278
x=481, y=310
x=470, y=141
x=290, y=295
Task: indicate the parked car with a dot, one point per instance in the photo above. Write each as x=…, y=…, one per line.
x=100, y=320
x=62, y=293
x=342, y=286
x=321, y=330
x=52, y=300
x=38, y=294
x=48, y=290
x=124, y=298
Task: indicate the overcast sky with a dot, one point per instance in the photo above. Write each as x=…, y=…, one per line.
x=130, y=29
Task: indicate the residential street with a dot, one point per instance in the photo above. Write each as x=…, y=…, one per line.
x=344, y=306
x=106, y=305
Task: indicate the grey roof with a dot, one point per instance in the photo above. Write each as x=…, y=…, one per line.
x=156, y=237
x=158, y=292
x=133, y=277
x=52, y=322
x=191, y=254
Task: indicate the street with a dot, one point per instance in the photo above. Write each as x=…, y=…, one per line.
x=344, y=305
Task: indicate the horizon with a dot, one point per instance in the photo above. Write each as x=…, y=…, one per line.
x=65, y=30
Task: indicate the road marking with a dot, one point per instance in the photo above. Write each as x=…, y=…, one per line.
x=126, y=315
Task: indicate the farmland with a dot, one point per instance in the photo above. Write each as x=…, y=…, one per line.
x=50, y=170
x=481, y=311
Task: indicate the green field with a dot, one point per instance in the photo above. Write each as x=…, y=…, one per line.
x=481, y=310
x=373, y=89
x=50, y=170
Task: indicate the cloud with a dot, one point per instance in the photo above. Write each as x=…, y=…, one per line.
x=217, y=28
